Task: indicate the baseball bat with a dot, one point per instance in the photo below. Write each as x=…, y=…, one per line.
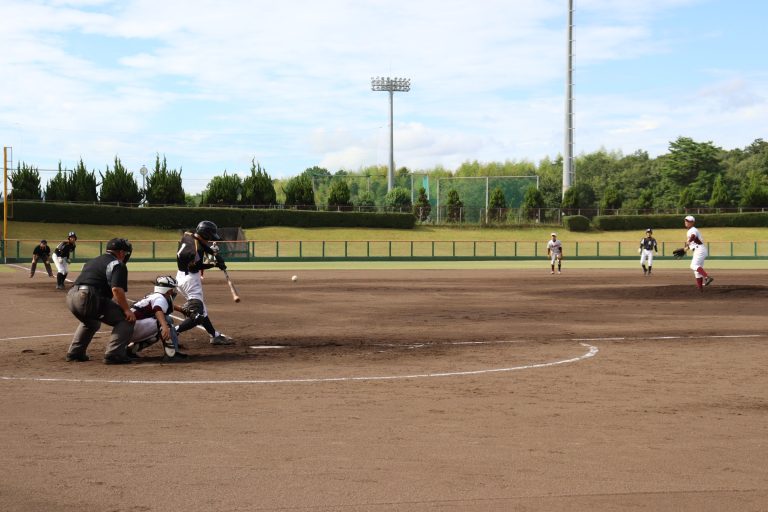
x=235, y=295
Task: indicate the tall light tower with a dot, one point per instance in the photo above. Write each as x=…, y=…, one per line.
x=568, y=153
x=391, y=85
x=143, y=172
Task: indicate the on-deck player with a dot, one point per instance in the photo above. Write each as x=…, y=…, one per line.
x=694, y=242
x=555, y=253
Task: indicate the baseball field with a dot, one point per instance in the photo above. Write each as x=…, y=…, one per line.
x=401, y=389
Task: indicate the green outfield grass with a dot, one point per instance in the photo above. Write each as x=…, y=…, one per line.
x=141, y=237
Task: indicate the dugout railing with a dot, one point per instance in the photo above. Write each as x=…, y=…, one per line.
x=18, y=250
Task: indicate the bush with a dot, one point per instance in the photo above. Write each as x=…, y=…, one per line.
x=171, y=217
x=576, y=223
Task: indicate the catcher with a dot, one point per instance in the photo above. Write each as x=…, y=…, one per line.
x=695, y=243
x=154, y=322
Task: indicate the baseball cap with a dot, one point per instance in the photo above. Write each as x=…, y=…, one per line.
x=43, y=241
x=649, y=230
x=690, y=218
x=553, y=234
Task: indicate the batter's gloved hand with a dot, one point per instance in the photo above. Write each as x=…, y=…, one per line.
x=220, y=263
x=678, y=253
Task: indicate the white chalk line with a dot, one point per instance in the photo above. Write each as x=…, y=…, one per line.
x=591, y=352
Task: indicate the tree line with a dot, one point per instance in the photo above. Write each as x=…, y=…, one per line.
x=690, y=175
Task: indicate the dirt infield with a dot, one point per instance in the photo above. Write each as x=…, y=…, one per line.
x=416, y=390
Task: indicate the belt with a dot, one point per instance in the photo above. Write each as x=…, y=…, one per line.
x=85, y=287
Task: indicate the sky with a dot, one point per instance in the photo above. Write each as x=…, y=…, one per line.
x=212, y=85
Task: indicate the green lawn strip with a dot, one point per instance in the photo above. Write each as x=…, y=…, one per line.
x=424, y=241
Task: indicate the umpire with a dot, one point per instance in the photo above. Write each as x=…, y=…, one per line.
x=97, y=296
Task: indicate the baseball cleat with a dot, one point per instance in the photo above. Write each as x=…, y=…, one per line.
x=220, y=339
x=117, y=360
x=708, y=280
x=80, y=358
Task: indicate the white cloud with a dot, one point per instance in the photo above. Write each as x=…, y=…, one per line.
x=214, y=84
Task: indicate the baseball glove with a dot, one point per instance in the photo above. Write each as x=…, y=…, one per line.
x=678, y=253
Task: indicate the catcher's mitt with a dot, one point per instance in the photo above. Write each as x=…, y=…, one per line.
x=678, y=253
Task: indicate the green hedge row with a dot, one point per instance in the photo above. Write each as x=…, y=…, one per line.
x=184, y=217
x=576, y=223
x=641, y=222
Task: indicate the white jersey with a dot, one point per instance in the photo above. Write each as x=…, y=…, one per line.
x=694, y=238
x=555, y=247
x=147, y=327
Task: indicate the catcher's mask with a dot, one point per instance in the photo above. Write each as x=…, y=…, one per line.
x=208, y=230
x=164, y=284
x=121, y=244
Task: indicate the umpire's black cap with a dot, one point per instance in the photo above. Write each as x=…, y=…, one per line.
x=43, y=241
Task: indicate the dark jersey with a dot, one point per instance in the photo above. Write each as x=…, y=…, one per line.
x=104, y=273
x=649, y=243
x=43, y=252
x=189, y=258
x=64, y=249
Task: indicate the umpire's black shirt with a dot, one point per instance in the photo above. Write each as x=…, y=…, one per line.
x=104, y=273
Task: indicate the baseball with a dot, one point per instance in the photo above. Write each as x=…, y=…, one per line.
x=295, y=278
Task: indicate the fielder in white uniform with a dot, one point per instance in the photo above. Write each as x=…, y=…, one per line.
x=695, y=243
x=555, y=253
x=648, y=246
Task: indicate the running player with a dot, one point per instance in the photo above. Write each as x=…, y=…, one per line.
x=648, y=246
x=555, y=253
x=695, y=242
x=61, y=258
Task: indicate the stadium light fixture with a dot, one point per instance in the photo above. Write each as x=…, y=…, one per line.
x=143, y=172
x=391, y=85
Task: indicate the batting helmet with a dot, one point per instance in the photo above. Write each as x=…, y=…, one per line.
x=208, y=230
x=72, y=234
x=165, y=283
x=649, y=230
